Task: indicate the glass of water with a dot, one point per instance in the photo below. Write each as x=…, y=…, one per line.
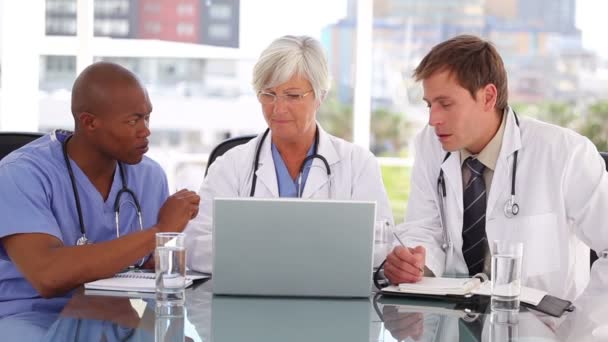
x=506, y=274
x=169, y=323
x=383, y=241
x=170, y=260
x=504, y=326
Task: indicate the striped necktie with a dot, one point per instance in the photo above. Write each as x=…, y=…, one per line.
x=474, y=241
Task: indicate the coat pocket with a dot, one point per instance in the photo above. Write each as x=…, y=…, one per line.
x=540, y=237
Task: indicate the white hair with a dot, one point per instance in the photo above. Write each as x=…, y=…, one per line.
x=292, y=55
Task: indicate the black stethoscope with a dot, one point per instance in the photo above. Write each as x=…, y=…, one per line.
x=315, y=154
x=511, y=208
x=83, y=240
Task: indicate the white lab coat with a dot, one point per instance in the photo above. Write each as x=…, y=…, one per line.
x=562, y=192
x=355, y=175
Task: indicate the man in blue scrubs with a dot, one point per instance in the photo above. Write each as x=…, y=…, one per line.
x=40, y=261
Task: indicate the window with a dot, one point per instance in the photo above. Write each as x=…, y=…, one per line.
x=61, y=6
x=185, y=29
x=152, y=7
x=111, y=27
x=220, y=31
x=152, y=27
x=111, y=7
x=60, y=63
x=220, y=11
x=185, y=10
x=61, y=26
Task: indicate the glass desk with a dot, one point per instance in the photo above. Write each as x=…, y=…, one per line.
x=205, y=317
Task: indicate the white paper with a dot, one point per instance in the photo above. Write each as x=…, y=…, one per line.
x=134, y=281
x=441, y=286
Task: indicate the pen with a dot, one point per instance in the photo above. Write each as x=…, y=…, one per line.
x=401, y=243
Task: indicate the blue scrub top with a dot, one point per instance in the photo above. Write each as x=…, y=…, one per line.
x=74, y=329
x=36, y=197
x=288, y=187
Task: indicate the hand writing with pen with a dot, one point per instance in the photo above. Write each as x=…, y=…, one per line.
x=402, y=325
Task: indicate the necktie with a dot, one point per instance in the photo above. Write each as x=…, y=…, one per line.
x=474, y=241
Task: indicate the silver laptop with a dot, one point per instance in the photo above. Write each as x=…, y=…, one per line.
x=292, y=247
x=271, y=319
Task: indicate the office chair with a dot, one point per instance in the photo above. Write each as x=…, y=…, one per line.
x=226, y=145
x=10, y=141
x=605, y=156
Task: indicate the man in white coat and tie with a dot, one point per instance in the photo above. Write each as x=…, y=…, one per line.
x=483, y=173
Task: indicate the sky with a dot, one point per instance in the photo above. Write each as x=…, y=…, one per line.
x=264, y=20
x=269, y=19
x=591, y=19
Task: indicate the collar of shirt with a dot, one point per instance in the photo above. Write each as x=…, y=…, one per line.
x=288, y=187
x=489, y=155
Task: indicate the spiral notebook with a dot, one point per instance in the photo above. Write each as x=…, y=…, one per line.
x=136, y=281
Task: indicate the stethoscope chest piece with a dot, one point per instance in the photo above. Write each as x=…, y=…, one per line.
x=511, y=208
x=82, y=241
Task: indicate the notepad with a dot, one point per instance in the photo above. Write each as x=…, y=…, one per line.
x=441, y=286
x=437, y=286
x=135, y=281
x=462, y=288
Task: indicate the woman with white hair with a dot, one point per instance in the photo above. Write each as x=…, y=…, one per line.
x=294, y=157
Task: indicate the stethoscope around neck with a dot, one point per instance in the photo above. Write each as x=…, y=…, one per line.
x=315, y=154
x=510, y=209
x=83, y=240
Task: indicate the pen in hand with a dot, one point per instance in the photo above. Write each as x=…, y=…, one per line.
x=402, y=244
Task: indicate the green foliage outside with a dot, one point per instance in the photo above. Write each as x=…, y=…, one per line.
x=336, y=118
x=590, y=121
x=390, y=131
x=397, y=183
x=391, y=134
x=595, y=125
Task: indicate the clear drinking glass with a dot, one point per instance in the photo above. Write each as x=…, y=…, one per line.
x=170, y=260
x=506, y=274
x=169, y=323
x=504, y=326
x=383, y=241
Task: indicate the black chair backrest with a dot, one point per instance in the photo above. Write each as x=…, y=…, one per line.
x=605, y=156
x=226, y=145
x=10, y=141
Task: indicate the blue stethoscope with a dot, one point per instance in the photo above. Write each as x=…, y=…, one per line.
x=83, y=240
x=511, y=208
x=315, y=154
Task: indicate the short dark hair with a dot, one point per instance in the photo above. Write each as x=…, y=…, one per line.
x=474, y=61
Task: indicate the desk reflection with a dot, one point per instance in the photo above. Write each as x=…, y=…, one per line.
x=169, y=324
x=438, y=321
x=107, y=318
x=219, y=319
x=98, y=318
x=289, y=319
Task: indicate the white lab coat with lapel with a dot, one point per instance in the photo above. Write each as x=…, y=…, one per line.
x=355, y=175
x=562, y=191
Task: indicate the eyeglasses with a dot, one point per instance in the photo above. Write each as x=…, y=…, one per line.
x=270, y=98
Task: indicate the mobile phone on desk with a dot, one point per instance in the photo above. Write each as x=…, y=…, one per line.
x=552, y=306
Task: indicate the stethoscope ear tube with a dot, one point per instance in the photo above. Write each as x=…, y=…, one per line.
x=83, y=240
x=314, y=155
x=256, y=162
x=511, y=208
